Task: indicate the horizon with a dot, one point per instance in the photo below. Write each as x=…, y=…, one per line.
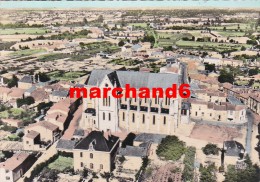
x=222, y=4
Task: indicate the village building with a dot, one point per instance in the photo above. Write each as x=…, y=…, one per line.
x=96, y=152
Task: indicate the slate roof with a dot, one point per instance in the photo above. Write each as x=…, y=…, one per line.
x=149, y=137
x=100, y=143
x=60, y=93
x=79, y=132
x=133, y=151
x=26, y=79
x=65, y=144
x=233, y=148
x=135, y=79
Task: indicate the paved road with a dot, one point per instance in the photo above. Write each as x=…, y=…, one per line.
x=250, y=122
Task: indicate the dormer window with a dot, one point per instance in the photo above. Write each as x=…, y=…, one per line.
x=92, y=144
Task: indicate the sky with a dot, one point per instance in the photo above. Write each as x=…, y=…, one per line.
x=130, y=4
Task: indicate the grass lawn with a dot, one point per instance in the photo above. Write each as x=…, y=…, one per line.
x=231, y=33
x=30, y=31
x=240, y=82
x=143, y=25
x=27, y=52
x=61, y=163
x=210, y=45
x=12, y=111
x=65, y=76
x=165, y=39
x=16, y=111
x=4, y=114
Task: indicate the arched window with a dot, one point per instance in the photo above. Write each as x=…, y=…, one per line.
x=133, y=117
x=104, y=115
x=109, y=116
x=123, y=116
x=91, y=156
x=143, y=118
x=153, y=119
x=81, y=154
x=81, y=164
x=101, y=166
x=164, y=120
x=91, y=166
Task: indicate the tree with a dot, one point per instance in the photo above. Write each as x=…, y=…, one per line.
x=224, y=28
x=171, y=148
x=249, y=174
x=100, y=19
x=252, y=72
x=26, y=101
x=121, y=43
x=43, y=77
x=85, y=21
x=210, y=149
x=207, y=174
x=226, y=77
x=243, y=48
x=13, y=82
x=210, y=67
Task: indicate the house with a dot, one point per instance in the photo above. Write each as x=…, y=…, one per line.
x=130, y=159
x=58, y=95
x=13, y=168
x=39, y=136
x=96, y=152
x=153, y=139
x=26, y=82
x=223, y=111
x=61, y=112
x=13, y=122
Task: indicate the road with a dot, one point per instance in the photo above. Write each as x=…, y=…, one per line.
x=250, y=122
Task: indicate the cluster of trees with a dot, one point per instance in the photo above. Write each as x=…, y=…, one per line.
x=13, y=82
x=226, y=76
x=207, y=173
x=171, y=148
x=250, y=174
x=44, y=105
x=211, y=149
x=254, y=71
x=43, y=77
x=149, y=38
x=25, y=101
x=188, y=161
x=23, y=47
x=40, y=167
x=19, y=25
x=210, y=67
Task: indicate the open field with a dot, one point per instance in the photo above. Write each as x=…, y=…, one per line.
x=210, y=45
x=31, y=31
x=65, y=76
x=221, y=133
x=143, y=25
x=61, y=163
x=231, y=33
x=27, y=52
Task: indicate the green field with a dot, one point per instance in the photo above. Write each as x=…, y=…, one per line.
x=143, y=25
x=165, y=39
x=231, y=33
x=68, y=76
x=61, y=163
x=27, y=52
x=210, y=45
x=30, y=31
